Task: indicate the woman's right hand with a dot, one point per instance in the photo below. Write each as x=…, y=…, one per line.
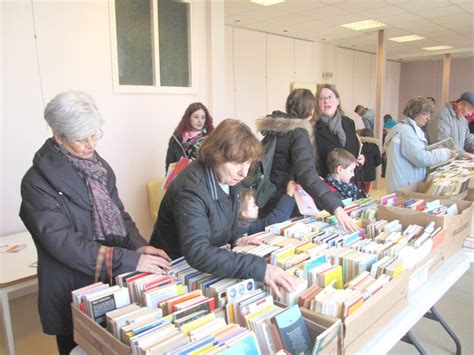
x=454, y=153
x=276, y=277
x=152, y=264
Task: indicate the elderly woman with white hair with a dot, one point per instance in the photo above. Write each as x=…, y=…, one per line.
x=71, y=207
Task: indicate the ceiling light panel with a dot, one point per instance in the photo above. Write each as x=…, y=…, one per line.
x=408, y=38
x=363, y=25
x=267, y=2
x=436, y=48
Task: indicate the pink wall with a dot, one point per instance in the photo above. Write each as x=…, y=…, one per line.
x=424, y=78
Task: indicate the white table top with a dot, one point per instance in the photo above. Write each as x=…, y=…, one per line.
x=14, y=267
x=419, y=302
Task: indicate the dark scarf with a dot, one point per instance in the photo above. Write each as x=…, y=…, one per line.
x=335, y=126
x=346, y=190
x=106, y=216
x=191, y=145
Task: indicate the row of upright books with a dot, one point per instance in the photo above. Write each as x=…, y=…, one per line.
x=433, y=207
x=450, y=179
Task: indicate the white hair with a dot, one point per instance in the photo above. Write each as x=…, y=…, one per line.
x=73, y=115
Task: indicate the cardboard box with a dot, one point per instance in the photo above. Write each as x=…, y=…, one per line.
x=371, y=317
x=418, y=191
x=470, y=197
x=94, y=339
x=458, y=227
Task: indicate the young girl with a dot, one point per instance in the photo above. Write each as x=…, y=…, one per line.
x=373, y=158
x=194, y=127
x=249, y=222
x=341, y=165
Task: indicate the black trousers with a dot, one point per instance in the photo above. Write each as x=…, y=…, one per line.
x=65, y=344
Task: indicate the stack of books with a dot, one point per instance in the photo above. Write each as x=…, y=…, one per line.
x=434, y=207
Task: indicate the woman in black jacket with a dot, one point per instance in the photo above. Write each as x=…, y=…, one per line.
x=70, y=205
x=294, y=155
x=194, y=127
x=333, y=129
x=200, y=210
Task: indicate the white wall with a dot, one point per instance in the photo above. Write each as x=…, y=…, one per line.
x=74, y=51
x=261, y=67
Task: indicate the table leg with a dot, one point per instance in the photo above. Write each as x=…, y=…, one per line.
x=434, y=315
x=410, y=339
x=7, y=321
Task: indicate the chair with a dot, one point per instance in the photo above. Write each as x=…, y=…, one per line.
x=155, y=195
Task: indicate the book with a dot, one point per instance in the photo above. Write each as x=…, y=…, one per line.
x=293, y=331
x=305, y=202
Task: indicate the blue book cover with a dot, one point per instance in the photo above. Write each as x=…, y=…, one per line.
x=247, y=345
x=293, y=331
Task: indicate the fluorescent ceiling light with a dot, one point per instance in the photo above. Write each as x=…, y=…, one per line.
x=363, y=25
x=267, y=2
x=436, y=48
x=406, y=38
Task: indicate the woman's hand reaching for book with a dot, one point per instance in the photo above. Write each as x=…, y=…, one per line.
x=276, y=277
x=248, y=240
x=153, y=264
x=153, y=251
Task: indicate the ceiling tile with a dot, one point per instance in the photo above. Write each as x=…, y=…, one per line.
x=439, y=11
x=400, y=19
x=384, y=11
x=419, y=5
x=328, y=11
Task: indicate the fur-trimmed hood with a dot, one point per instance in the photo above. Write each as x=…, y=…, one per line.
x=369, y=140
x=280, y=122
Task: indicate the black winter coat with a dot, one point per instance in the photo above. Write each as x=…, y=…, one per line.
x=196, y=218
x=294, y=159
x=56, y=210
x=373, y=158
x=326, y=142
x=174, y=152
x=280, y=214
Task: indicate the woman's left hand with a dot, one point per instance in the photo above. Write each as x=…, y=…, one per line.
x=345, y=220
x=248, y=240
x=148, y=249
x=360, y=160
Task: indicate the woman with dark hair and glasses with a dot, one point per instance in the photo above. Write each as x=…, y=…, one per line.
x=71, y=207
x=194, y=127
x=333, y=129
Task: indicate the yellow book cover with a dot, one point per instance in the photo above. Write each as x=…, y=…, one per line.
x=230, y=313
x=250, y=317
x=354, y=306
x=285, y=255
x=305, y=247
x=186, y=328
x=203, y=350
x=333, y=274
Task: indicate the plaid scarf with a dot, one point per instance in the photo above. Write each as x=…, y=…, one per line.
x=191, y=143
x=346, y=190
x=106, y=217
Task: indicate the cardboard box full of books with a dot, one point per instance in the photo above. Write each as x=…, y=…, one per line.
x=372, y=316
x=458, y=226
x=470, y=198
x=94, y=339
x=419, y=191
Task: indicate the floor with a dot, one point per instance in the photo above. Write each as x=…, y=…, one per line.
x=456, y=307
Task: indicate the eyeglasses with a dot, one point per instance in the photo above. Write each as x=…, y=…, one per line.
x=324, y=98
x=94, y=139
